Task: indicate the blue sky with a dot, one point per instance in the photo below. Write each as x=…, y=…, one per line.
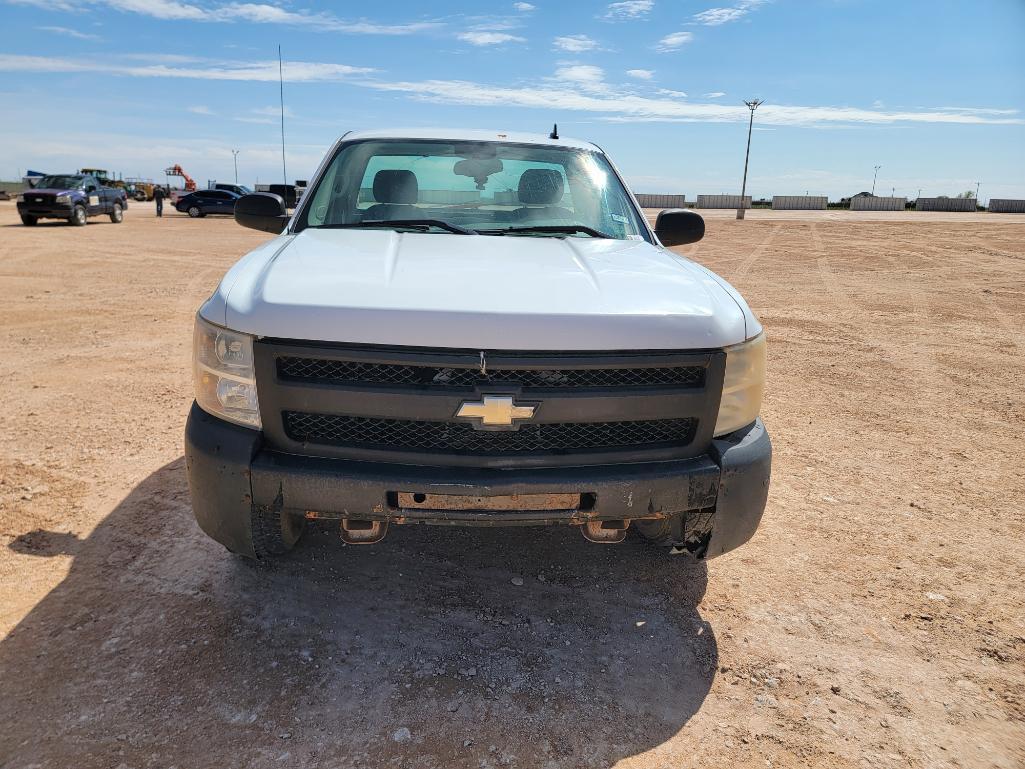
x=934, y=92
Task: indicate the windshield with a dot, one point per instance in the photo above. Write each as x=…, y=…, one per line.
x=483, y=187
x=60, y=182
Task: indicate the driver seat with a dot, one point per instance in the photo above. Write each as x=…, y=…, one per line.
x=395, y=193
x=539, y=190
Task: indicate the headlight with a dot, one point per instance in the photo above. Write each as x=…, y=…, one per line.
x=224, y=375
x=743, y=385
x=63, y=198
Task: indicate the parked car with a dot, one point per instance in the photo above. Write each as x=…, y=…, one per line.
x=74, y=197
x=203, y=202
x=238, y=189
x=459, y=327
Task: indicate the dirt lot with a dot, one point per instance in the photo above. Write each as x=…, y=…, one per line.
x=875, y=620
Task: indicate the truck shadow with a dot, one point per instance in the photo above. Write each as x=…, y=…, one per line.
x=425, y=650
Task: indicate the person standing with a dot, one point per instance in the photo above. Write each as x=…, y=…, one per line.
x=158, y=198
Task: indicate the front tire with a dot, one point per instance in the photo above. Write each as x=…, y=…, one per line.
x=79, y=217
x=117, y=214
x=194, y=212
x=28, y=220
x=275, y=532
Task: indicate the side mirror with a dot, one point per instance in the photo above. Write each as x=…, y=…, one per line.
x=678, y=226
x=262, y=211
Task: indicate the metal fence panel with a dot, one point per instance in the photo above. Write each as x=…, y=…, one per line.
x=876, y=203
x=945, y=204
x=722, y=201
x=1006, y=206
x=799, y=202
x=647, y=200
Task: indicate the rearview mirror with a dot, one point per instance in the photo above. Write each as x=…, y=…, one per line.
x=677, y=227
x=262, y=211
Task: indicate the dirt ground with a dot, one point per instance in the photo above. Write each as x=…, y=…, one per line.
x=876, y=619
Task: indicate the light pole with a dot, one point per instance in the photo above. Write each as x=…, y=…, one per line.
x=751, y=105
x=234, y=154
x=876, y=174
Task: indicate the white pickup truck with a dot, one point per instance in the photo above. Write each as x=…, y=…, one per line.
x=475, y=328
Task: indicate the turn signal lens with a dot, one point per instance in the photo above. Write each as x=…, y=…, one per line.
x=743, y=385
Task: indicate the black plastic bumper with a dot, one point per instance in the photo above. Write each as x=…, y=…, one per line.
x=45, y=210
x=230, y=471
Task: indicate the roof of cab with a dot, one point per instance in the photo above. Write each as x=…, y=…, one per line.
x=465, y=134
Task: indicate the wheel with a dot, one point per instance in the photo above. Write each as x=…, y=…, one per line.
x=79, y=216
x=275, y=532
x=117, y=214
x=194, y=212
x=28, y=220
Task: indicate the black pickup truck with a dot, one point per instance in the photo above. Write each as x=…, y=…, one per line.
x=74, y=197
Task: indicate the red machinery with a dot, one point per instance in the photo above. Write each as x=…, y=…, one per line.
x=177, y=170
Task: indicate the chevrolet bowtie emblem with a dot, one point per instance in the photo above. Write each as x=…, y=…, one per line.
x=495, y=411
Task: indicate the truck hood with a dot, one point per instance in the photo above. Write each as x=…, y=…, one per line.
x=52, y=191
x=479, y=292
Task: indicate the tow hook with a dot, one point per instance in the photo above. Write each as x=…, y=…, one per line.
x=606, y=532
x=361, y=532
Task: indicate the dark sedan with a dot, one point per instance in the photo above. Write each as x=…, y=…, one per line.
x=203, y=202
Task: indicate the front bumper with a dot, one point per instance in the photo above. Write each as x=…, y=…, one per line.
x=230, y=472
x=45, y=210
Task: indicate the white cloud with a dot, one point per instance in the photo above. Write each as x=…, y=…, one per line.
x=714, y=17
x=670, y=92
x=260, y=71
x=714, y=94
x=575, y=43
x=523, y=7
x=489, y=38
x=673, y=42
x=256, y=13
x=628, y=10
x=272, y=111
x=564, y=89
x=586, y=75
x=69, y=33
x=626, y=107
x=160, y=9
x=641, y=74
x=200, y=109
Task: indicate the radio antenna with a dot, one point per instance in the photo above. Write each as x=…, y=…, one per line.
x=281, y=91
x=555, y=131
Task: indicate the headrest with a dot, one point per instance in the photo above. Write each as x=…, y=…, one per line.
x=540, y=186
x=395, y=187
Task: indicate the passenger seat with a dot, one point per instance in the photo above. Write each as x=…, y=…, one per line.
x=539, y=190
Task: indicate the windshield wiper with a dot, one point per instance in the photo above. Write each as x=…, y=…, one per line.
x=555, y=229
x=415, y=224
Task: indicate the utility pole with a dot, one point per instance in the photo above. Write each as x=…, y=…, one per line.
x=977, y=193
x=234, y=154
x=876, y=174
x=751, y=105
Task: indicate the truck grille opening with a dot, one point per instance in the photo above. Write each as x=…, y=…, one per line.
x=352, y=372
x=463, y=438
